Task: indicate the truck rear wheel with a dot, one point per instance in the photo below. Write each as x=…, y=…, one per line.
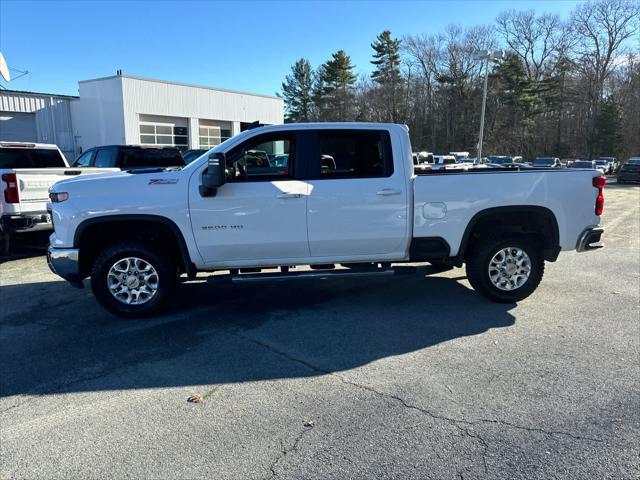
x=133, y=279
x=505, y=271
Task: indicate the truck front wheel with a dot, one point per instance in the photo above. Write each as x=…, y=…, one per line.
x=505, y=271
x=133, y=279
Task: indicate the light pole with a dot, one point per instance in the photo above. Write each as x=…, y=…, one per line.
x=494, y=57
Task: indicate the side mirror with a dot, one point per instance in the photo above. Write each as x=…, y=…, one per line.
x=214, y=176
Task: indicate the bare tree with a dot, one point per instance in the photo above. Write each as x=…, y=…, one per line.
x=534, y=39
x=602, y=28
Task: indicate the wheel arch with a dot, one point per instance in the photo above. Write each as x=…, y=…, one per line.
x=135, y=224
x=526, y=219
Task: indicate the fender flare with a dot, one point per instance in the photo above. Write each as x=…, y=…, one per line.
x=550, y=254
x=189, y=266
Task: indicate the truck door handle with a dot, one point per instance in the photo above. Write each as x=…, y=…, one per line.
x=388, y=191
x=289, y=195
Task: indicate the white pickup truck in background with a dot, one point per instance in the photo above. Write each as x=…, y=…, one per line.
x=27, y=171
x=342, y=198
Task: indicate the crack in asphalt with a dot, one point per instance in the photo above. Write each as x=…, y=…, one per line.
x=460, y=424
x=284, y=451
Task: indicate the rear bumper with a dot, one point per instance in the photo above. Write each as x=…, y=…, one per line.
x=590, y=239
x=65, y=262
x=26, y=222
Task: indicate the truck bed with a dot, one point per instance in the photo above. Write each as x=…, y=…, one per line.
x=446, y=201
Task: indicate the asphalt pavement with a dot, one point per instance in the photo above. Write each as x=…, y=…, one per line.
x=402, y=377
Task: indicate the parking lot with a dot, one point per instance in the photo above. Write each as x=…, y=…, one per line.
x=407, y=377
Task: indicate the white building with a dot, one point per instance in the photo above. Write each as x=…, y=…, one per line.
x=124, y=109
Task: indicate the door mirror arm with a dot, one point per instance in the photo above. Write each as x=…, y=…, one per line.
x=214, y=175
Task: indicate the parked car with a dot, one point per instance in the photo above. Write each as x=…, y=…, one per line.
x=613, y=162
x=367, y=210
x=604, y=166
x=190, y=155
x=629, y=171
x=462, y=157
x=499, y=159
x=546, y=162
x=422, y=158
x=27, y=171
x=584, y=164
x=443, y=161
x=126, y=157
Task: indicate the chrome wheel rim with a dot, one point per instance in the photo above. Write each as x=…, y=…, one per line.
x=509, y=269
x=132, y=281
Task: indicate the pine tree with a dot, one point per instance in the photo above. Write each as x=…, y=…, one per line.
x=297, y=91
x=336, y=95
x=609, y=128
x=387, y=72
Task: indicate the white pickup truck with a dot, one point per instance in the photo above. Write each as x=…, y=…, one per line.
x=27, y=171
x=342, y=198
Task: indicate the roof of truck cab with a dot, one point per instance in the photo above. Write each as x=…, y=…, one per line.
x=325, y=125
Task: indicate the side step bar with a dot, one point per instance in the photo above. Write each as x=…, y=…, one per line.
x=306, y=275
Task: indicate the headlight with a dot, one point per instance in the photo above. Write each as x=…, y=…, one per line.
x=57, y=197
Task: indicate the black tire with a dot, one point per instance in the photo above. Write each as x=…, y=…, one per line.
x=478, y=268
x=5, y=243
x=166, y=274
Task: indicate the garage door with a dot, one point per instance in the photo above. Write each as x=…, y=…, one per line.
x=18, y=127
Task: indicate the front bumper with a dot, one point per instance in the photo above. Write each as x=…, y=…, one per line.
x=65, y=262
x=590, y=239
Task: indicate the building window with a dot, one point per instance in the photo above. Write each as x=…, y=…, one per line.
x=210, y=136
x=164, y=135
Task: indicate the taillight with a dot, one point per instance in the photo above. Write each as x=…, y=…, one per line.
x=599, y=183
x=11, y=193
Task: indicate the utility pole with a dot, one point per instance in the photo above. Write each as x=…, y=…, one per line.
x=494, y=57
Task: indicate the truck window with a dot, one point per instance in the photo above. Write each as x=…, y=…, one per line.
x=84, y=160
x=31, y=158
x=150, y=157
x=266, y=157
x=353, y=154
x=106, y=157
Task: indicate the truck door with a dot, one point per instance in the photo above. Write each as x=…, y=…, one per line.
x=357, y=204
x=260, y=213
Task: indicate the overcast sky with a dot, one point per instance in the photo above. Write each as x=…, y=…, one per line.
x=239, y=45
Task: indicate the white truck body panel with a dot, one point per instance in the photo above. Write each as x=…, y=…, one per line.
x=323, y=221
x=465, y=195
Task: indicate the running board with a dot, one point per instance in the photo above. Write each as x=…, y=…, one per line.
x=306, y=275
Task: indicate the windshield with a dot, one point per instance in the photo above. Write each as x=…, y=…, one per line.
x=601, y=162
x=634, y=161
x=31, y=158
x=582, y=165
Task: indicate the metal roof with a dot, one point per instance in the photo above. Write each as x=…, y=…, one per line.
x=40, y=94
x=146, y=79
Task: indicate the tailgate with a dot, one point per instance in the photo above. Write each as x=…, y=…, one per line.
x=34, y=184
x=33, y=188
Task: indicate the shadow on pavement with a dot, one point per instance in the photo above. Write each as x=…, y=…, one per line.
x=27, y=245
x=55, y=338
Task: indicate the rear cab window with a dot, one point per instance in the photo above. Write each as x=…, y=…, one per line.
x=31, y=158
x=352, y=154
